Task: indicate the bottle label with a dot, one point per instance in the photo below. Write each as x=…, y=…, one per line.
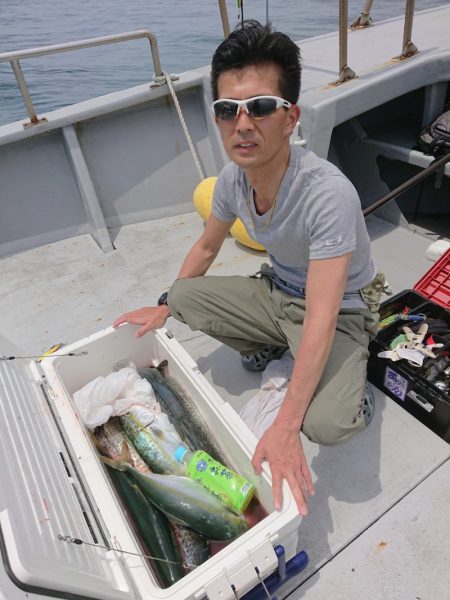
x=246, y=487
x=201, y=466
x=232, y=489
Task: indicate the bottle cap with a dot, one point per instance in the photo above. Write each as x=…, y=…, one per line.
x=179, y=453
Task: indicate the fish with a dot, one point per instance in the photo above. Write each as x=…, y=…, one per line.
x=154, y=529
x=192, y=547
x=183, y=411
x=186, y=502
x=154, y=437
x=110, y=438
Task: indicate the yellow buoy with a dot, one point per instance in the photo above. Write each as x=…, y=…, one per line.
x=203, y=195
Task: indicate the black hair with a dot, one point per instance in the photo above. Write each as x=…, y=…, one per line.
x=252, y=43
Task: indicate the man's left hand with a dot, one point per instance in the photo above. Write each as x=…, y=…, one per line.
x=283, y=450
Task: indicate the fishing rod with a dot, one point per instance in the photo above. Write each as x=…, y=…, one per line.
x=41, y=356
x=240, y=4
x=434, y=166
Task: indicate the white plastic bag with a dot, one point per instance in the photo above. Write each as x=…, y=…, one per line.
x=110, y=396
x=260, y=411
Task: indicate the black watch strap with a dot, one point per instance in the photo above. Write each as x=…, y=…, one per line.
x=163, y=299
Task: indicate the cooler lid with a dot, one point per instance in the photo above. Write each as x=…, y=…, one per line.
x=43, y=497
x=435, y=284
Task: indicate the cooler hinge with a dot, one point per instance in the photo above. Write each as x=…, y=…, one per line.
x=244, y=575
x=71, y=466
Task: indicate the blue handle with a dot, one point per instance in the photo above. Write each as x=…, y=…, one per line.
x=279, y=551
x=413, y=318
x=286, y=570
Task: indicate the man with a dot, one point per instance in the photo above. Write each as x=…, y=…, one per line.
x=308, y=217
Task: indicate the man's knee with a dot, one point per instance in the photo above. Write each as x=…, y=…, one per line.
x=189, y=302
x=332, y=427
x=177, y=294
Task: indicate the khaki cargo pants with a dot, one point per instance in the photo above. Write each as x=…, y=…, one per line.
x=248, y=313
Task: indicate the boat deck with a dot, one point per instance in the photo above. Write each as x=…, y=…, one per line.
x=380, y=499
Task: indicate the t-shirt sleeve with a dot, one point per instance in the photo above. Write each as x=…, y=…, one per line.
x=333, y=217
x=224, y=197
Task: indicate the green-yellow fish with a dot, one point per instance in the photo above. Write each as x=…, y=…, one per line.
x=185, y=501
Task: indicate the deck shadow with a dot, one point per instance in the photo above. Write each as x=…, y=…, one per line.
x=347, y=480
x=226, y=371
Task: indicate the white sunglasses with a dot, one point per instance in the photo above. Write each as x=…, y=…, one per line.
x=256, y=108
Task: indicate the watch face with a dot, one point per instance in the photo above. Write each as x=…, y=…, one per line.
x=163, y=298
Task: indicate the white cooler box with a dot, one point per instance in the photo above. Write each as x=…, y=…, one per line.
x=54, y=485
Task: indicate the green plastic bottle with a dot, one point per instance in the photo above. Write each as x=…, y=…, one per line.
x=232, y=490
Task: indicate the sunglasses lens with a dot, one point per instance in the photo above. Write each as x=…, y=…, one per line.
x=226, y=110
x=262, y=107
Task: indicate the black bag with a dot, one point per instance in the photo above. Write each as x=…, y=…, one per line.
x=434, y=139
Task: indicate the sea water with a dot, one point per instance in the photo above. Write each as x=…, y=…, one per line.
x=187, y=32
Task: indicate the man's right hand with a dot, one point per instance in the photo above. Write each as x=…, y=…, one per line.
x=150, y=317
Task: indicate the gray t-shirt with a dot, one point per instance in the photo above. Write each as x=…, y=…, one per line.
x=317, y=215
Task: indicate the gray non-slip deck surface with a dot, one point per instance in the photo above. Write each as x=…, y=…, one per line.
x=68, y=290
x=404, y=556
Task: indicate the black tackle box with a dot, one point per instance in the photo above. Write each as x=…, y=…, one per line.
x=422, y=391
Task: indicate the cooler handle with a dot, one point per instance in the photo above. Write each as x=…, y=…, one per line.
x=286, y=570
x=420, y=400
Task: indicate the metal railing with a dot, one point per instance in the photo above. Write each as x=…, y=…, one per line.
x=345, y=72
x=408, y=48
x=364, y=20
x=14, y=59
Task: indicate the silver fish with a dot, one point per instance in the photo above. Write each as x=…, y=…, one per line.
x=182, y=410
x=154, y=437
x=111, y=437
x=192, y=546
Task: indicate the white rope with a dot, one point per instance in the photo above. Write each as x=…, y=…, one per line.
x=184, y=126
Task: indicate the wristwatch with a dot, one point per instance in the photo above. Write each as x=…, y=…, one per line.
x=163, y=299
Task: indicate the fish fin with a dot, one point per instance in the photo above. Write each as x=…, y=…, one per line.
x=163, y=367
x=95, y=441
x=125, y=455
x=159, y=433
x=115, y=464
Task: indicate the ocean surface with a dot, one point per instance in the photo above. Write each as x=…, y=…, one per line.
x=187, y=33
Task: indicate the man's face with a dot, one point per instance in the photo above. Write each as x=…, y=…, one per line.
x=254, y=143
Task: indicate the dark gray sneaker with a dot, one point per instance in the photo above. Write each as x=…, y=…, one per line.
x=368, y=404
x=259, y=360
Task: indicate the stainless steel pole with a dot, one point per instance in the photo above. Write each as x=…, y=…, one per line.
x=364, y=19
x=345, y=73
x=408, y=48
x=14, y=57
x=224, y=17
x=15, y=64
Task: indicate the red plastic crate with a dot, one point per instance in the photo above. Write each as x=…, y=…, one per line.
x=435, y=284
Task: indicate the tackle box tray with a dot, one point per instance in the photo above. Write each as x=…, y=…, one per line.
x=414, y=387
x=55, y=489
x=435, y=284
